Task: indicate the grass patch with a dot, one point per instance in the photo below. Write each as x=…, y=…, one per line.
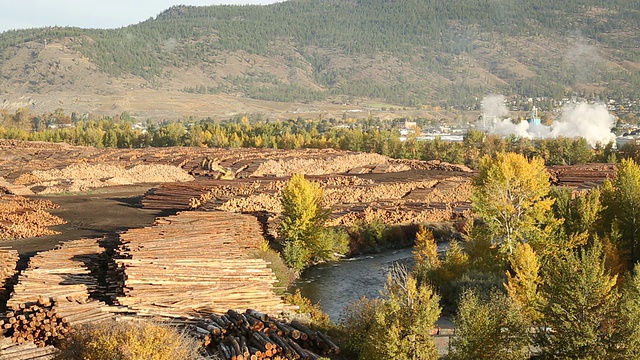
x=284, y=274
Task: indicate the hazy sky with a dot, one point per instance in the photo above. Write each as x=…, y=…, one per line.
x=23, y=14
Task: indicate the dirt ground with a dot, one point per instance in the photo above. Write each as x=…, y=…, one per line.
x=99, y=212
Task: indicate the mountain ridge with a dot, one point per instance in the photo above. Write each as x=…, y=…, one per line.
x=400, y=53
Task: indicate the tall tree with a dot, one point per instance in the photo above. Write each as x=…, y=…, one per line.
x=630, y=315
x=580, y=213
x=302, y=225
x=425, y=252
x=621, y=198
x=580, y=309
x=510, y=197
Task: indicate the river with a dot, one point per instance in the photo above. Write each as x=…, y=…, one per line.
x=336, y=285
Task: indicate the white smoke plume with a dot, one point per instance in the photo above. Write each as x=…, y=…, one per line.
x=493, y=107
x=590, y=121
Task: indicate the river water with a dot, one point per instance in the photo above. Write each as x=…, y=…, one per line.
x=336, y=285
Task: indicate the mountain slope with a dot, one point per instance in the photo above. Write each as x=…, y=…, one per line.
x=404, y=52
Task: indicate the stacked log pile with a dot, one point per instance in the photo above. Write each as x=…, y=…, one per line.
x=581, y=177
x=331, y=162
x=37, y=323
x=432, y=165
x=62, y=278
x=13, y=189
x=21, y=217
x=196, y=263
x=431, y=199
x=8, y=263
x=27, y=351
x=255, y=335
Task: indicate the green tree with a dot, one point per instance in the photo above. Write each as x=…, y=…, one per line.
x=580, y=213
x=621, y=199
x=580, y=309
x=403, y=321
x=357, y=320
x=630, y=315
x=510, y=197
x=493, y=329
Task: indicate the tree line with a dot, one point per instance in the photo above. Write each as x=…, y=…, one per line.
x=365, y=135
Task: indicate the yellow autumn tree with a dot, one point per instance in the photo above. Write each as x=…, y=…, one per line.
x=510, y=197
x=302, y=225
x=523, y=280
x=425, y=252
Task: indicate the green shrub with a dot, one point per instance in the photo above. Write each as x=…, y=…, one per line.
x=329, y=243
x=296, y=254
x=373, y=233
x=403, y=321
x=129, y=340
x=489, y=329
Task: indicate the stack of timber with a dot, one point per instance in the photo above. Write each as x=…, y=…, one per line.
x=13, y=189
x=8, y=263
x=196, y=263
x=27, y=351
x=581, y=177
x=36, y=323
x=253, y=336
x=63, y=278
x=22, y=217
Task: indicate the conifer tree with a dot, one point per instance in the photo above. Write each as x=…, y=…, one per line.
x=425, y=252
x=580, y=309
x=630, y=316
x=621, y=198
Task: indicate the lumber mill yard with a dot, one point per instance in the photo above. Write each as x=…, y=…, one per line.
x=92, y=234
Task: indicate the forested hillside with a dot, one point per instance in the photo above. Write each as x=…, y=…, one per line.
x=408, y=52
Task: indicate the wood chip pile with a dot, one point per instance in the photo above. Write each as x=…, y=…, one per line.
x=196, y=263
x=254, y=335
x=21, y=217
x=54, y=168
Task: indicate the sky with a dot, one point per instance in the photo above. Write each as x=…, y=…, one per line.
x=104, y=14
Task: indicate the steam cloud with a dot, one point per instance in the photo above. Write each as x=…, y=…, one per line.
x=590, y=121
